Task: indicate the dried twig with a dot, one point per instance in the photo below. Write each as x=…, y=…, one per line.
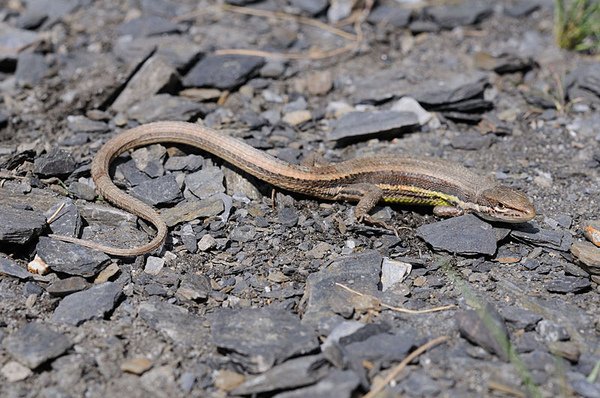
x=354, y=39
x=54, y=215
x=400, y=367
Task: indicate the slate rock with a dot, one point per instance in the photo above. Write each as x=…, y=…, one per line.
x=589, y=255
x=189, y=163
x=584, y=83
x=166, y=107
x=365, y=125
x=420, y=385
x=13, y=42
x=521, y=8
x=465, y=234
x=30, y=19
x=158, y=191
x=178, y=50
x=81, y=124
x=293, y=373
x=35, y=344
x=53, y=14
x=383, y=348
x=287, y=216
x=339, y=384
x=533, y=234
x=68, y=221
x=72, y=259
x=568, y=284
x=206, y=182
x=467, y=13
x=551, y=331
x=131, y=173
x=456, y=89
x=175, y=323
x=31, y=69
x=389, y=15
x=471, y=142
x=56, y=163
x=189, y=210
x=503, y=63
x=10, y=268
x=148, y=25
x=154, y=76
x=257, y=339
x=485, y=328
x=194, y=287
x=520, y=318
x=582, y=386
x=225, y=72
x=64, y=287
x=312, y=7
x=20, y=226
x=93, y=303
x=328, y=303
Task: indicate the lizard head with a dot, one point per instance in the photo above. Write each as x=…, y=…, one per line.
x=501, y=203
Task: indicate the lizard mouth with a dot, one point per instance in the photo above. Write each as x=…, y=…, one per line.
x=507, y=215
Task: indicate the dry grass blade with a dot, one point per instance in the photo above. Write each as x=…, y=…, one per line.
x=503, y=388
x=400, y=367
x=397, y=309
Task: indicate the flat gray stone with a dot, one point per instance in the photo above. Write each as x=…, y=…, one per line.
x=154, y=76
x=175, y=323
x=13, y=41
x=486, y=329
x=339, y=384
x=20, y=226
x=189, y=210
x=257, y=339
x=158, y=191
x=179, y=51
x=31, y=69
x=520, y=318
x=81, y=124
x=10, y=268
x=225, y=72
x=206, y=182
x=68, y=221
x=389, y=15
x=166, y=107
x=149, y=25
x=376, y=124
x=533, y=234
x=466, y=234
x=35, y=344
x=72, y=259
x=312, y=7
x=93, y=303
x=467, y=13
x=189, y=163
x=64, y=287
x=327, y=303
x=293, y=373
x=568, y=284
x=55, y=163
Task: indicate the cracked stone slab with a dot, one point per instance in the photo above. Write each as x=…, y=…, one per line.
x=466, y=234
x=93, y=303
x=257, y=339
x=20, y=226
x=35, y=344
x=72, y=259
x=328, y=303
x=175, y=322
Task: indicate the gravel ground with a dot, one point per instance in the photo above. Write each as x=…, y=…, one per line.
x=260, y=292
